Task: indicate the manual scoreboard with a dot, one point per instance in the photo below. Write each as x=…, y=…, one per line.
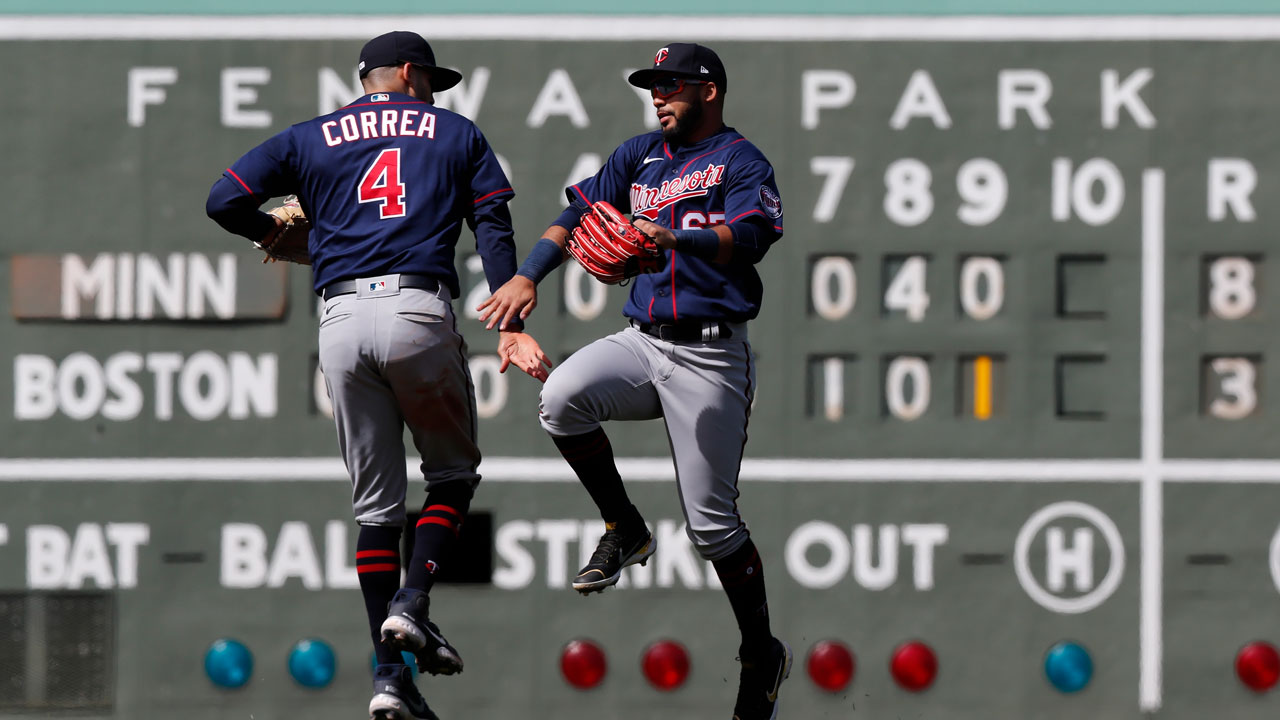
x=961, y=273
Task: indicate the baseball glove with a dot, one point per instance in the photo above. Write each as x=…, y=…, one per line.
x=609, y=247
x=289, y=241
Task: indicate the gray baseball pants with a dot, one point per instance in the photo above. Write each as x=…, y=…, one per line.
x=393, y=358
x=702, y=390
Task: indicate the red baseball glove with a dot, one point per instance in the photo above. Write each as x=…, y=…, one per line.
x=609, y=247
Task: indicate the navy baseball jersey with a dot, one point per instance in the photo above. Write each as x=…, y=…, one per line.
x=721, y=180
x=387, y=182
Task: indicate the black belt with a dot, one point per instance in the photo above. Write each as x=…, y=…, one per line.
x=346, y=287
x=685, y=331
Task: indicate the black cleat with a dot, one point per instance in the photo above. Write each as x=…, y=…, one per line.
x=395, y=697
x=615, y=551
x=407, y=628
x=759, y=681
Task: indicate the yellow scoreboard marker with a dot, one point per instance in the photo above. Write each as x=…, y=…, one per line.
x=982, y=387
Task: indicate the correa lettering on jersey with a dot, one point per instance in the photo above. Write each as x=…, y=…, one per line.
x=647, y=201
x=372, y=124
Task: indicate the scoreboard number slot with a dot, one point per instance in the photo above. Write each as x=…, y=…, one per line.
x=490, y=385
x=833, y=286
x=1081, y=386
x=1231, y=293
x=479, y=291
x=981, y=386
x=1083, y=288
x=829, y=397
x=584, y=298
x=1230, y=386
x=321, y=403
x=981, y=286
x=907, y=289
x=907, y=387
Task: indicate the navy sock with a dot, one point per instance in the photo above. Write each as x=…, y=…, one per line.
x=437, y=530
x=378, y=567
x=742, y=575
x=591, y=457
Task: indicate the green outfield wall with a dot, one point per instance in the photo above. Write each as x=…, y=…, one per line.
x=1016, y=369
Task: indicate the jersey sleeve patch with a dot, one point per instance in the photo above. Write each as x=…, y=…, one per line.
x=770, y=201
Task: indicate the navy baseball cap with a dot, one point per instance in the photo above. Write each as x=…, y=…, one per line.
x=403, y=46
x=687, y=60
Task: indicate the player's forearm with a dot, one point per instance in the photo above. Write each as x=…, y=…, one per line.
x=750, y=240
x=724, y=251
x=558, y=235
x=547, y=255
x=237, y=212
x=714, y=243
x=496, y=245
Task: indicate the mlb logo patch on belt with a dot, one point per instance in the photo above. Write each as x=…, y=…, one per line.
x=377, y=286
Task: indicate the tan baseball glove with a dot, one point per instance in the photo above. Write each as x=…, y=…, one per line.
x=289, y=241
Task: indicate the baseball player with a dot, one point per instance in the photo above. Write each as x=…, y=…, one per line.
x=388, y=182
x=707, y=196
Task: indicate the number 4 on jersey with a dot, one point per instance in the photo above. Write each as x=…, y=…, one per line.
x=381, y=184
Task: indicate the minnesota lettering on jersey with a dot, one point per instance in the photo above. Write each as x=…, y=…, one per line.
x=647, y=201
x=371, y=124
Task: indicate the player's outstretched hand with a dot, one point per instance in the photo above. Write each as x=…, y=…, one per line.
x=518, y=296
x=522, y=350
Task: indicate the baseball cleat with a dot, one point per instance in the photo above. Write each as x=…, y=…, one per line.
x=615, y=551
x=407, y=628
x=759, y=681
x=395, y=697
